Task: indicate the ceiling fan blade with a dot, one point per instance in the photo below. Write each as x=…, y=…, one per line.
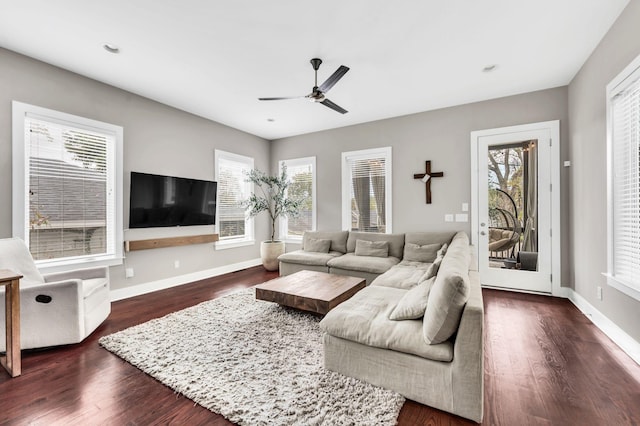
x=281, y=98
x=333, y=106
x=331, y=81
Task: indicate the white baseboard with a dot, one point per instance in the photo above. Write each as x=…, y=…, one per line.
x=137, y=290
x=627, y=343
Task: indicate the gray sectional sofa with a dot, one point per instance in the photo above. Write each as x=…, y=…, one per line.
x=417, y=328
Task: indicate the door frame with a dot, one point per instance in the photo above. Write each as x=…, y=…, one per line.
x=553, y=127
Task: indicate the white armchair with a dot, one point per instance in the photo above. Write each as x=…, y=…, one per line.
x=55, y=309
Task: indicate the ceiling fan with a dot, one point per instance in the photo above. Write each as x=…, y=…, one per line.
x=318, y=92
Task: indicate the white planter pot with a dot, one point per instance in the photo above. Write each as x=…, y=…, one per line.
x=269, y=252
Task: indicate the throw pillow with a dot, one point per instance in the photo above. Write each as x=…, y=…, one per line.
x=433, y=269
x=417, y=253
x=317, y=245
x=414, y=302
x=447, y=298
x=372, y=248
x=443, y=250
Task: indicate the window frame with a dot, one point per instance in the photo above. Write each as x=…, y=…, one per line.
x=20, y=183
x=283, y=225
x=629, y=76
x=365, y=154
x=249, y=234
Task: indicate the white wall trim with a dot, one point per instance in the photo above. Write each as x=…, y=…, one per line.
x=364, y=154
x=137, y=290
x=283, y=223
x=627, y=343
x=553, y=129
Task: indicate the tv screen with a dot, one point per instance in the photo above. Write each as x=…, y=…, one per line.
x=157, y=201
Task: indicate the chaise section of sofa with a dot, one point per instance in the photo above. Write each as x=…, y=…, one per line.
x=435, y=359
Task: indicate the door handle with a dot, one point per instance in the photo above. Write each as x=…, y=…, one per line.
x=483, y=233
x=482, y=224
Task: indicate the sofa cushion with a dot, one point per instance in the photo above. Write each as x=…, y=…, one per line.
x=338, y=239
x=396, y=241
x=402, y=275
x=449, y=293
x=364, y=319
x=375, y=265
x=421, y=253
x=413, y=303
x=308, y=257
x=372, y=248
x=317, y=245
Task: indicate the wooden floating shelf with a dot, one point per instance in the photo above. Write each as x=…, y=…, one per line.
x=169, y=242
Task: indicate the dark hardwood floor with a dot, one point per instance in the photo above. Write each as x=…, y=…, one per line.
x=545, y=363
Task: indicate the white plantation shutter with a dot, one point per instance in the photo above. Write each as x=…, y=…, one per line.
x=232, y=221
x=366, y=187
x=624, y=182
x=71, y=209
x=302, y=175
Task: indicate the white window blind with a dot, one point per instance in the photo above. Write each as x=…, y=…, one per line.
x=70, y=212
x=302, y=175
x=624, y=180
x=366, y=188
x=232, y=220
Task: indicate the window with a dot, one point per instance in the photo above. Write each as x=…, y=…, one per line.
x=366, y=190
x=623, y=147
x=67, y=180
x=302, y=174
x=235, y=227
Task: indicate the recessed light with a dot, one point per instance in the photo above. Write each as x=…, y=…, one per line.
x=489, y=68
x=111, y=48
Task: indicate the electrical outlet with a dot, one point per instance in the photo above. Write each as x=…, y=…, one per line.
x=465, y=207
x=128, y=273
x=599, y=292
x=448, y=217
x=176, y=264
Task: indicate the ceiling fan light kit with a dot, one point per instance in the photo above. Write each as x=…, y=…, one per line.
x=318, y=92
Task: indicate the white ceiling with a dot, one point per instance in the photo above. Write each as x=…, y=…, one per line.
x=215, y=58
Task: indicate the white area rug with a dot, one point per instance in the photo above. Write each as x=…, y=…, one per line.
x=254, y=362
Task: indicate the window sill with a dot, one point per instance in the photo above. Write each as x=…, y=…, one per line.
x=291, y=240
x=224, y=245
x=619, y=285
x=47, y=267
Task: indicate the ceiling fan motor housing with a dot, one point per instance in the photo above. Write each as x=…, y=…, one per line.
x=315, y=62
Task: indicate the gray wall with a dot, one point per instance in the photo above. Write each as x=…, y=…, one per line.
x=157, y=139
x=162, y=139
x=441, y=136
x=587, y=146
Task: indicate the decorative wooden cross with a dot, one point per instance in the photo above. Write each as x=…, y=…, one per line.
x=426, y=178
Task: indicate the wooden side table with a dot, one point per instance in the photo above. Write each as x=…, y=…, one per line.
x=11, y=362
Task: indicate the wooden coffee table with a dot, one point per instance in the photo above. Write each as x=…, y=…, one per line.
x=312, y=291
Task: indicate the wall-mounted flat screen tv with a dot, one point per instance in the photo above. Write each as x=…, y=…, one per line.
x=158, y=201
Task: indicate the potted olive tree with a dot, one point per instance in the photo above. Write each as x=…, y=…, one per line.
x=270, y=195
